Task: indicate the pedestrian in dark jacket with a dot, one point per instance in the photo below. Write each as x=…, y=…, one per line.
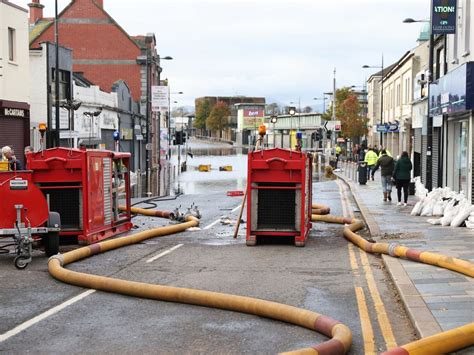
x=386, y=164
x=402, y=175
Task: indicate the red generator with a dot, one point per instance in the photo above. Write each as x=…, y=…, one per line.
x=279, y=195
x=86, y=188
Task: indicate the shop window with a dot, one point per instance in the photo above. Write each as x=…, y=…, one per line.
x=11, y=44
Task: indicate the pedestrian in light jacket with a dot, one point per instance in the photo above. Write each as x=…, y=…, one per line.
x=370, y=159
x=402, y=175
x=387, y=164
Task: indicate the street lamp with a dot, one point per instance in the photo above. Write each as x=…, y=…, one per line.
x=381, y=94
x=169, y=117
x=323, y=99
x=274, y=119
x=429, y=137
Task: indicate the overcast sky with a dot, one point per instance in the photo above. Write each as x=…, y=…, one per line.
x=280, y=49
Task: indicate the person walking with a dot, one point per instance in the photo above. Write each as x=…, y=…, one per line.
x=370, y=159
x=387, y=165
x=402, y=174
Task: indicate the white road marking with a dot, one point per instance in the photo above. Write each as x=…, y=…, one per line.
x=166, y=252
x=212, y=224
x=237, y=208
x=18, y=329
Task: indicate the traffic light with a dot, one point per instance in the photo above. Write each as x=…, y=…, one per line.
x=180, y=138
x=328, y=134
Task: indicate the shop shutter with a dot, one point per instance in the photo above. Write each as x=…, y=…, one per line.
x=12, y=133
x=436, y=155
x=423, y=158
x=417, y=140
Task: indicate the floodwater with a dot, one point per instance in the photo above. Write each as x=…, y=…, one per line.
x=192, y=181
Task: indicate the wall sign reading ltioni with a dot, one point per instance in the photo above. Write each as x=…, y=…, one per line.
x=443, y=17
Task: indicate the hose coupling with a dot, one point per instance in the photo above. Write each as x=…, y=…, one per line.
x=391, y=248
x=58, y=257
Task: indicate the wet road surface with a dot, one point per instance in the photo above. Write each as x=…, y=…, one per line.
x=327, y=276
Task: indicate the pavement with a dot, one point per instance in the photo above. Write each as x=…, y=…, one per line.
x=436, y=299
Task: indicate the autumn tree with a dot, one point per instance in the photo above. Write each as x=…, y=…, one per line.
x=219, y=117
x=348, y=111
x=203, y=111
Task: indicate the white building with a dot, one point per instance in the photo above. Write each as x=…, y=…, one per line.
x=14, y=72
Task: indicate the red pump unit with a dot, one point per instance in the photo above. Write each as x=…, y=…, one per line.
x=86, y=188
x=279, y=191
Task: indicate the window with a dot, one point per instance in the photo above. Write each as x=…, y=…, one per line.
x=64, y=85
x=11, y=44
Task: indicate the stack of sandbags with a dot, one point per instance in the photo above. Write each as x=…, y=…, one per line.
x=453, y=208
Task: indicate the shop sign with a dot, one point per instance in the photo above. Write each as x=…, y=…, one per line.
x=126, y=134
x=14, y=112
x=253, y=117
x=381, y=128
x=443, y=17
x=392, y=127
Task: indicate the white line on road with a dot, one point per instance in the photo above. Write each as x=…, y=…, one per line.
x=166, y=252
x=212, y=224
x=237, y=208
x=217, y=221
x=18, y=329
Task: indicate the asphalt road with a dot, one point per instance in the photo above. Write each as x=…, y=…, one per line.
x=321, y=277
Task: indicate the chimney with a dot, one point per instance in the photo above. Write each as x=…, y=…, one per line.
x=36, y=11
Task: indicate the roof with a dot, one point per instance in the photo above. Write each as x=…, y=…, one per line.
x=39, y=27
x=44, y=26
x=6, y=2
x=81, y=80
x=386, y=70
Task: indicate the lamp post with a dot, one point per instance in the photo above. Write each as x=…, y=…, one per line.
x=273, y=120
x=292, y=113
x=55, y=139
x=381, y=94
x=429, y=137
x=169, y=118
x=323, y=99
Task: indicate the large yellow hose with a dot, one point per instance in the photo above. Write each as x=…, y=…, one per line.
x=340, y=334
x=441, y=343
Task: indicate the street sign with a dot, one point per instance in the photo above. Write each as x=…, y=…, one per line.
x=381, y=128
x=332, y=126
x=159, y=98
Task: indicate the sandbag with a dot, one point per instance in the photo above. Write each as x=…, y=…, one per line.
x=462, y=215
x=428, y=208
x=469, y=225
x=435, y=222
x=417, y=209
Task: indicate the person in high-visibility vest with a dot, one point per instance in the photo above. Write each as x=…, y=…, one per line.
x=371, y=159
x=387, y=152
x=338, y=153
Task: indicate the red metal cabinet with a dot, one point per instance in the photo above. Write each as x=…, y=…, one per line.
x=279, y=195
x=82, y=186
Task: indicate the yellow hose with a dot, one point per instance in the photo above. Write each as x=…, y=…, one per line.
x=441, y=343
x=341, y=336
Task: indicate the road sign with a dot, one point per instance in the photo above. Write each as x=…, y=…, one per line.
x=332, y=126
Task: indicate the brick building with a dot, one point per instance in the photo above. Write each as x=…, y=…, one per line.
x=104, y=54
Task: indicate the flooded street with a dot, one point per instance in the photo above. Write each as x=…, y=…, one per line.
x=217, y=155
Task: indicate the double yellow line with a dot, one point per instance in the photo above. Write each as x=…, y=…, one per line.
x=381, y=314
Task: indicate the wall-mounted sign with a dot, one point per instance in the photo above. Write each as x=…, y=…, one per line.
x=14, y=112
x=443, y=17
x=253, y=117
x=159, y=98
x=126, y=134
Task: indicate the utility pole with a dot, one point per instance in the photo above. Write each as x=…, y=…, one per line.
x=333, y=139
x=57, y=138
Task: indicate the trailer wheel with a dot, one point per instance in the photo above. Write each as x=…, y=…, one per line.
x=51, y=240
x=21, y=262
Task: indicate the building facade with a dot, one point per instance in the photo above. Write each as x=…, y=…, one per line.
x=104, y=53
x=14, y=76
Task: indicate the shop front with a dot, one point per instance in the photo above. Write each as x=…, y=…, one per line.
x=452, y=103
x=15, y=126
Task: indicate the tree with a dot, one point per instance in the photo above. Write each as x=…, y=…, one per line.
x=219, y=117
x=203, y=111
x=273, y=109
x=348, y=111
x=307, y=109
